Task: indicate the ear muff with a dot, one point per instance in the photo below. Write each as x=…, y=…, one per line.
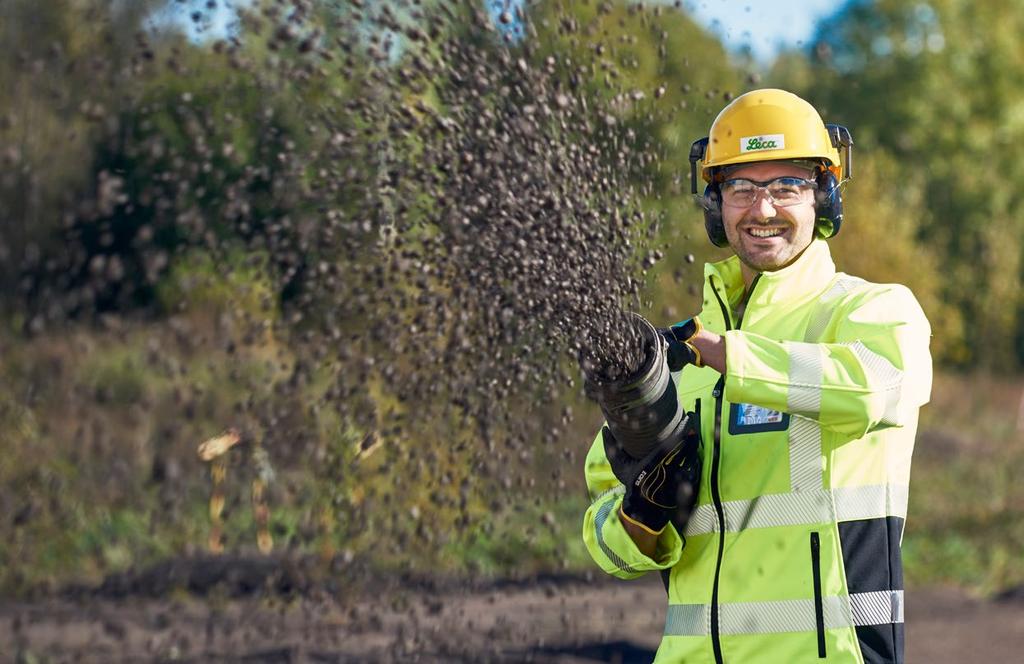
x=828, y=205
x=712, y=200
x=713, y=224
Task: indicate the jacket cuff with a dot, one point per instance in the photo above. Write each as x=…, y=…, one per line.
x=614, y=550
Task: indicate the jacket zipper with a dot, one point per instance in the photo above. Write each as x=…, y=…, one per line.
x=819, y=613
x=667, y=573
x=716, y=457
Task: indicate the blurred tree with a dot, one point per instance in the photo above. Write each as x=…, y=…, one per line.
x=938, y=86
x=62, y=57
x=149, y=142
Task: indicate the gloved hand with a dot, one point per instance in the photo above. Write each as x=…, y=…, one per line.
x=662, y=485
x=680, y=351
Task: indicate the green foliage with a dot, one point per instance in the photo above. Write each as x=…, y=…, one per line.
x=664, y=76
x=199, y=281
x=118, y=539
x=117, y=378
x=60, y=59
x=529, y=538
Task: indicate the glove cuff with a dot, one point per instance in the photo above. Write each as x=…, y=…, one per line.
x=646, y=516
x=686, y=330
x=680, y=350
x=698, y=361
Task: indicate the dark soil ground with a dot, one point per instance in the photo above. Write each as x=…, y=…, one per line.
x=551, y=620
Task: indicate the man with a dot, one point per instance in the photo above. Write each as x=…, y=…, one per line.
x=807, y=383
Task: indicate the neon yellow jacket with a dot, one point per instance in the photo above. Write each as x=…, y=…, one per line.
x=792, y=553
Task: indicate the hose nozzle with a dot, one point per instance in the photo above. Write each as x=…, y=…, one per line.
x=642, y=409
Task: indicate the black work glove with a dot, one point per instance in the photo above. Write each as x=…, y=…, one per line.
x=680, y=351
x=663, y=485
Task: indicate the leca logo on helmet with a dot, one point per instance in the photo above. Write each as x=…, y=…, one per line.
x=766, y=142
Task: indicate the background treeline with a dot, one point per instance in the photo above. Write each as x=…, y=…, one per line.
x=154, y=204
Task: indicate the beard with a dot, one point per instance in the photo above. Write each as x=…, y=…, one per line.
x=762, y=259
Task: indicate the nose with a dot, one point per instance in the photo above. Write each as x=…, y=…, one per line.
x=763, y=206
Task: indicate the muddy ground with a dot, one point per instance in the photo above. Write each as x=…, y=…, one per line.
x=551, y=620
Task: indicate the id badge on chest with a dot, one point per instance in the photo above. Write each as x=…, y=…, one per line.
x=748, y=418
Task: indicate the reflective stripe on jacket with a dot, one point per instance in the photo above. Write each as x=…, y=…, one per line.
x=792, y=553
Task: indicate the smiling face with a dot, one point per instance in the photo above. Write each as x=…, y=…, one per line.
x=766, y=237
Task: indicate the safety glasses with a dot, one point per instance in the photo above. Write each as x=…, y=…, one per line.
x=782, y=192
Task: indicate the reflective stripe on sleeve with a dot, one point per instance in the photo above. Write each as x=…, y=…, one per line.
x=887, y=377
x=791, y=615
x=804, y=508
x=617, y=489
x=806, y=374
x=599, y=519
x=804, y=366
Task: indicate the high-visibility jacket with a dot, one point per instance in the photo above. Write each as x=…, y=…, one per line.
x=792, y=553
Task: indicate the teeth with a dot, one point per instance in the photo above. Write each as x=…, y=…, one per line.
x=765, y=232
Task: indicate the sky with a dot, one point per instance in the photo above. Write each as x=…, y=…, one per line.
x=765, y=26
x=762, y=25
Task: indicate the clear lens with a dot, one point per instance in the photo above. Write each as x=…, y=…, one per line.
x=783, y=192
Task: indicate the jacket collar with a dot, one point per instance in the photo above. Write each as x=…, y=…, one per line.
x=806, y=277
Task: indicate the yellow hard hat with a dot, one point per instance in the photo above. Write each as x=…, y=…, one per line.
x=773, y=125
x=769, y=125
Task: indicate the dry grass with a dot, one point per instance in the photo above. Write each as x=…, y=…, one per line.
x=966, y=523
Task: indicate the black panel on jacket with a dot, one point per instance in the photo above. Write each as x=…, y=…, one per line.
x=881, y=644
x=871, y=558
x=871, y=554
